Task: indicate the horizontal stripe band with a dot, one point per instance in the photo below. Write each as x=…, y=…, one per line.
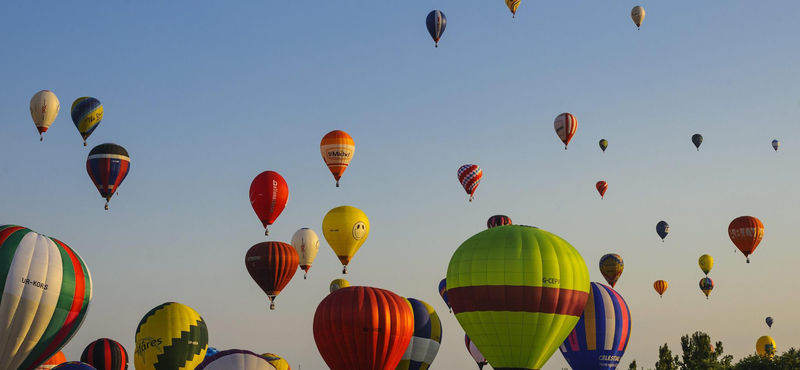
x=518, y=299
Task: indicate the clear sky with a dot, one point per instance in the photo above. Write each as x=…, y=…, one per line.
x=205, y=95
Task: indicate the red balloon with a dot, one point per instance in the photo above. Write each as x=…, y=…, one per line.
x=601, y=186
x=272, y=265
x=746, y=233
x=268, y=196
x=363, y=328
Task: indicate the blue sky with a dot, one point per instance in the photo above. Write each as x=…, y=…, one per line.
x=205, y=95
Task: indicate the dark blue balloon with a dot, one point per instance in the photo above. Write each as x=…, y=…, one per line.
x=662, y=229
x=443, y=293
x=436, y=23
x=697, y=139
x=74, y=365
x=211, y=351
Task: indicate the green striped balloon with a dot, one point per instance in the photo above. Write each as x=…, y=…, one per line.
x=46, y=293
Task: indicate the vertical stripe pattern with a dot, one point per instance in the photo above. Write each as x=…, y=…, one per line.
x=436, y=23
x=105, y=354
x=272, y=265
x=108, y=165
x=566, y=125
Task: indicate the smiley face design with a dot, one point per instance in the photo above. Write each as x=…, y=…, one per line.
x=359, y=230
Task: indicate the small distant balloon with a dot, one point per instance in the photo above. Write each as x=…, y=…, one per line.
x=611, y=267
x=775, y=145
x=86, y=113
x=601, y=186
x=436, y=23
x=268, y=196
x=637, y=14
x=765, y=346
x=512, y=6
x=337, y=284
x=444, y=295
x=470, y=175
x=697, y=139
x=706, y=262
x=770, y=321
x=706, y=285
x=660, y=286
x=746, y=233
x=44, y=110
x=603, y=145
x=108, y=165
x=662, y=229
x=498, y=220
x=566, y=125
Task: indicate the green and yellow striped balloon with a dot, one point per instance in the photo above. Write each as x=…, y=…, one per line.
x=86, y=112
x=171, y=336
x=517, y=292
x=46, y=293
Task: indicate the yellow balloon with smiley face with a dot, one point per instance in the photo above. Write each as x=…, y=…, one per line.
x=345, y=229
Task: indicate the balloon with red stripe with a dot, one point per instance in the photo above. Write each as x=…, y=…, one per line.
x=105, y=354
x=268, y=196
x=602, y=333
x=498, y=220
x=272, y=265
x=475, y=353
x=601, y=186
x=108, y=165
x=470, y=175
x=566, y=125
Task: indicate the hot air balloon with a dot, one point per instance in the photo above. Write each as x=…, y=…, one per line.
x=337, y=284
x=424, y=345
x=171, y=336
x=363, y=328
x=512, y=6
x=765, y=346
x=746, y=233
x=601, y=186
x=531, y=275
x=211, y=351
x=637, y=14
x=74, y=365
x=108, y=165
x=662, y=229
x=86, y=114
x=54, y=361
x=776, y=144
x=697, y=139
x=443, y=294
x=272, y=265
x=475, y=353
x=268, y=196
x=46, y=285
x=277, y=361
x=706, y=285
x=611, y=267
x=498, y=220
x=337, y=149
x=770, y=321
x=470, y=175
x=235, y=359
x=660, y=286
x=602, y=333
x=436, y=23
x=345, y=229
x=105, y=354
x=566, y=125
x=306, y=242
x=44, y=110
x=603, y=145
x=706, y=262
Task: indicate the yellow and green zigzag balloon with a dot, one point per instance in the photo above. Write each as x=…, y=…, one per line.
x=171, y=336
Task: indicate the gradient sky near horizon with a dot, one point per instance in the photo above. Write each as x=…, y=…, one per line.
x=206, y=95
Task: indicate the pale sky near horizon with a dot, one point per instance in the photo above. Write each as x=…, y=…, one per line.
x=206, y=95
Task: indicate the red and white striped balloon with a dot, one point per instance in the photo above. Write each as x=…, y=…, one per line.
x=566, y=125
x=469, y=175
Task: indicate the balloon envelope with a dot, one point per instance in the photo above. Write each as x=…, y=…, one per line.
x=566, y=125
x=443, y=293
x=769, y=322
x=272, y=265
x=706, y=285
x=44, y=110
x=277, y=361
x=86, y=114
x=746, y=233
x=660, y=286
x=662, y=229
x=54, y=361
x=776, y=144
x=235, y=359
x=611, y=267
x=436, y=23
x=470, y=175
x=765, y=346
x=601, y=186
x=345, y=229
x=706, y=263
x=427, y=338
x=268, y=196
x=697, y=139
x=475, y=353
x=105, y=354
x=637, y=14
x=171, y=336
x=603, y=144
x=306, y=242
x=498, y=220
x=337, y=149
x=108, y=165
x=337, y=284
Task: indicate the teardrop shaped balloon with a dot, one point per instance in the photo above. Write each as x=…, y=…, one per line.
x=74, y=365
x=46, y=285
x=363, y=328
x=105, y=354
x=337, y=284
x=775, y=145
x=44, y=110
x=475, y=353
x=706, y=285
x=601, y=336
x=611, y=267
x=306, y=242
x=662, y=229
x=660, y=286
x=345, y=229
x=770, y=321
x=637, y=14
x=436, y=23
x=52, y=362
x=746, y=233
x=601, y=186
x=531, y=275
x=470, y=175
x=697, y=139
x=566, y=125
x=235, y=359
x=603, y=145
x=272, y=265
x=277, y=361
x=706, y=262
x=172, y=336
x=86, y=114
x=512, y=6
x=444, y=295
x=108, y=165
x=427, y=338
x=337, y=149
x=498, y=220
x=268, y=196
x=765, y=347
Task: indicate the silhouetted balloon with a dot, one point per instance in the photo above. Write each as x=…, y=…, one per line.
x=697, y=139
x=662, y=229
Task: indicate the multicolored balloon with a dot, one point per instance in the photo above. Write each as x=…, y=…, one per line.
x=238, y=359
x=498, y=220
x=470, y=175
x=436, y=23
x=337, y=149
x=566, y=125
x=706, y=262
x=637, y=14
x=746, y=233
x=74, y=365
x=363, y=328
x=512, y=6
x=268, y=196
x=770, y=321
x=601, y=186
x=497, y=299
x=601, y=336
x=272, y=265
x=475, y=353
x=611, y=267
x=662, y=229
x=337, y=284
x=86, y=114
x=105, y=354
x=706, y=285
x=443, y=294
x=54, y=361
x=424, y=345
x=46, y=286
x=306, y=242
x=776, y=144
x=44, y=110
x=108, y=165
x=766, y=347
x=345, y=229
x=660, y=286
x=171, y=336
x=603, y=145
x=277, y=361
x=697, y=139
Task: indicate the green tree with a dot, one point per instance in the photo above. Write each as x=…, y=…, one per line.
x=789, y=359
x=632, y=366
x=698, y=354
x=665, y=359
x=754, y=362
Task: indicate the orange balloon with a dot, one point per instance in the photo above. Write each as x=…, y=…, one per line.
x=601, y=186
x=746, y=233
x=337, y=148
x=660, y=286
x=57, y=359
